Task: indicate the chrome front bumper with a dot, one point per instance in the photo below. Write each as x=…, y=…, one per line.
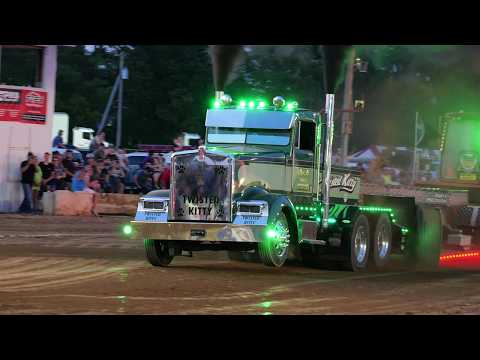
x=188, y=231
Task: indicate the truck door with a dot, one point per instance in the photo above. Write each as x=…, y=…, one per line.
x=303, y=158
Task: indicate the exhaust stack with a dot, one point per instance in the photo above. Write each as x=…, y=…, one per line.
x=334, y=56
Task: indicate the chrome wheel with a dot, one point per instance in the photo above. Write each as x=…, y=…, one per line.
x=361, y=241
x=282, y=236
x=273, y=249
x=383, y=242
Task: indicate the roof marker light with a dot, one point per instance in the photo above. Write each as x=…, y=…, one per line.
x=242, y=104
x=261, y=105
x=292, y=105
x=251, y=104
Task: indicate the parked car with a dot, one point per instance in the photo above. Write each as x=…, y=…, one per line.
x=135, y=161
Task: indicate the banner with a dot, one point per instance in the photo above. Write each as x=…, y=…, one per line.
x=23, y=105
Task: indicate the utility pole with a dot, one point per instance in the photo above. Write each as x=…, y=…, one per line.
x=347, y=116
x=120, y=102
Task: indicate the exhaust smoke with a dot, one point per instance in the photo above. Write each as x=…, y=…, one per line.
x=334, y=56
x=224, y=57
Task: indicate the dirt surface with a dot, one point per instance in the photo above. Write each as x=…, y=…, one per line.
x=74, y=265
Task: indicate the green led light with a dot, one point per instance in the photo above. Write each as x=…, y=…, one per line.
x=242, y=104
x=292, y=105
x=271, y=233
x=261, y=105
x=346, y=221
x=216, y=104
x=332, y=221
x=127, y=229
x=251, y=104
x=318, y=219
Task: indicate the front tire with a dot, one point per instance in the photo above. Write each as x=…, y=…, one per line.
x=273, y=249
x=158, y=252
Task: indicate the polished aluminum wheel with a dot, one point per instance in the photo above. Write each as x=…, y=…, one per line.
x=361, y=242
x=282, y=236
x=383, y=241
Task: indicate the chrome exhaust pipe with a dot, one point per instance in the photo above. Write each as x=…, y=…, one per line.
x=329, y=108
x=218, y=95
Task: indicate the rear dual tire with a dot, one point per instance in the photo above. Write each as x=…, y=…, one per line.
x=425, y=248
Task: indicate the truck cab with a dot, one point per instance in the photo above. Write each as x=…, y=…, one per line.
x=263, y=184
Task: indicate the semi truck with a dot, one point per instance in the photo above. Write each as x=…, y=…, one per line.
x=81, y=136
x=264, y=186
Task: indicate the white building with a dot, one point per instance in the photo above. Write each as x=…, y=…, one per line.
x=22, y=128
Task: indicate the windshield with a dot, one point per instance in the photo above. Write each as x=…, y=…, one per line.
x=217, y=135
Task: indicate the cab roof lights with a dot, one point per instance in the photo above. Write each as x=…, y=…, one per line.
x=251, y=104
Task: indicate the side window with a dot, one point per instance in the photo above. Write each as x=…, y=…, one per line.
x=306, y=136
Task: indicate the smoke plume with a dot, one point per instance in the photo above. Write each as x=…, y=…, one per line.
x=224, y=58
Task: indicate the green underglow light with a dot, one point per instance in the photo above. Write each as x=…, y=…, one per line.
x=127, y=229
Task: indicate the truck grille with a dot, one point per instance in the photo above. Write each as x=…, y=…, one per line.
x=201, y=188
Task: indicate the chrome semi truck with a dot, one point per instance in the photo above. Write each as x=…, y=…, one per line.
x=263, y=186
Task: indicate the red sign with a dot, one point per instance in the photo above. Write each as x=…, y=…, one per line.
x=23, y=105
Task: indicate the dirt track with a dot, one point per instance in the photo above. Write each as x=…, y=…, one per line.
x=73, y=265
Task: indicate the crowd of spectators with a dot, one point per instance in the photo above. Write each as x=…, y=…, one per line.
x=104, y=170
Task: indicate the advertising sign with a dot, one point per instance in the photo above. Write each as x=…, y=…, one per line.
x=23, y=105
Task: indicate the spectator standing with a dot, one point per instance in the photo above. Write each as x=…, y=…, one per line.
x=178, y=142
x=80, y=181
x=47, y=172
x=100, y=152
x=165, y=178
x=90, y=178
x=58, y=140
x=58, y=181
x=69, y=168
x=144, y=178
x=37, y=185
x=116, y=177
x=27, y=168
